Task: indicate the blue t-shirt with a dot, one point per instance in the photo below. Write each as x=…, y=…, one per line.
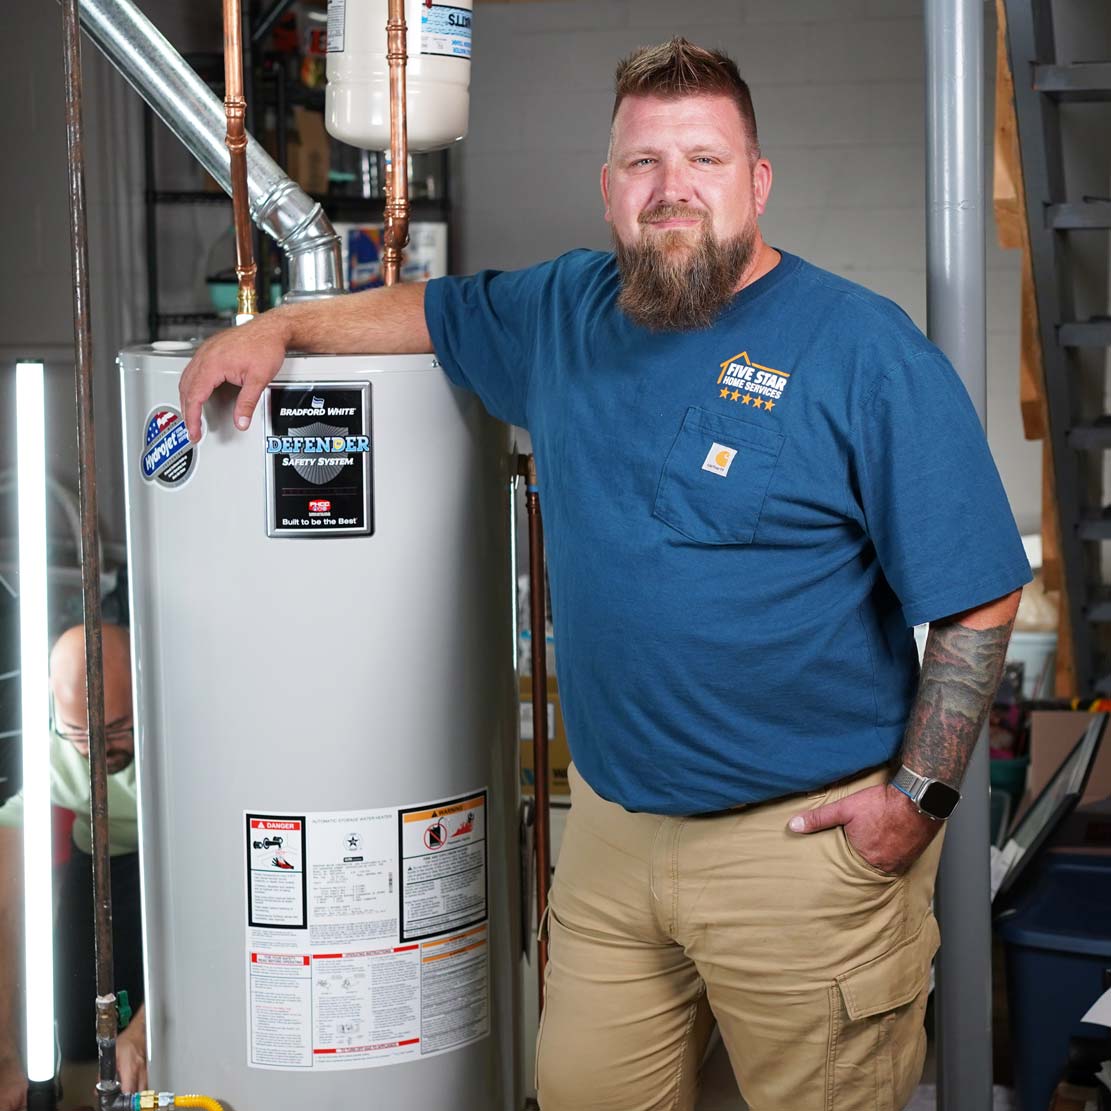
x=742, y=523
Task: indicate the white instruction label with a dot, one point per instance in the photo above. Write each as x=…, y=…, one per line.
x=337, y=20
x=280, y=990
x=367, y=934
x=445, y=30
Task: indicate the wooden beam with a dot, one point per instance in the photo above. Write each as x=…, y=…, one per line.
x=1009, y=202
x=1031, y=377
x=1010, y=216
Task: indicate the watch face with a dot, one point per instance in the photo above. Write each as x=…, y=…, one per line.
x=939, y=800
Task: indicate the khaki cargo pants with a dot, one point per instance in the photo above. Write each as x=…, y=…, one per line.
x=814, y=964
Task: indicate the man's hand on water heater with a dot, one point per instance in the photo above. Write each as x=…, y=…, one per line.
x=248, y=357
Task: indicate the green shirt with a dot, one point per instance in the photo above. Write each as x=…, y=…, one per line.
x=69, y=788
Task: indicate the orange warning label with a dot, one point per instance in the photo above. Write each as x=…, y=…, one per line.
x=444, y=811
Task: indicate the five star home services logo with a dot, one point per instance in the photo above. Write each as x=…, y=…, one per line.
x=751, y=383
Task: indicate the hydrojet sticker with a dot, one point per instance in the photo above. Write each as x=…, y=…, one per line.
x=168, y=454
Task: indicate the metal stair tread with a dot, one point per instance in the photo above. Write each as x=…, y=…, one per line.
x=1093, y=332
x=1096, y=526
x=1078, y=81
x=1088, y=214
x=1091, y=434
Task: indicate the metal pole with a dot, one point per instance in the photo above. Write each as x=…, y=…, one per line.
x=538, y=596
x=106, y=1011
x=956, y=323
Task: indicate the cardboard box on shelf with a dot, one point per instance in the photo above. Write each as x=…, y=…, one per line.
x=362, y=245
x=1053, y=734
x=309, y=152
x=559, y=756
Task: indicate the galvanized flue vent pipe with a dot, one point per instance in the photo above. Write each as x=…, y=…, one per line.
x=196, y=116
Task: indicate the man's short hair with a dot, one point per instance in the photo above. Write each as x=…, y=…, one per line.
x=679, y=68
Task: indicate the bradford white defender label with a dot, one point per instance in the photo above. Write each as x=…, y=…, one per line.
x=318, y=460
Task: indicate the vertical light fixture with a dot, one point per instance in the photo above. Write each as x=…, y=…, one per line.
x=38, y=930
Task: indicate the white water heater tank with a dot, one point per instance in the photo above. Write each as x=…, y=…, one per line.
x=438, y=73
x=325, y=736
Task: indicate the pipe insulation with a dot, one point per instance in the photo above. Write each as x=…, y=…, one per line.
x=189, y=108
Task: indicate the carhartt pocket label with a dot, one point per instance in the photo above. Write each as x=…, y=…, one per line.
x=719, y=459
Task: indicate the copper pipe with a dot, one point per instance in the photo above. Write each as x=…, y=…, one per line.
x=108, y=1084
x=235, y=106
x=538, y=621
x=397, y=180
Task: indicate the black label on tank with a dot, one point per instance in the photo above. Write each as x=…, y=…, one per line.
x=319, y=476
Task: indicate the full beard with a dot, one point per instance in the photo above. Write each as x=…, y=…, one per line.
x=677, y=281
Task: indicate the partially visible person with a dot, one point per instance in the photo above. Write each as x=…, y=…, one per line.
x=75, y=967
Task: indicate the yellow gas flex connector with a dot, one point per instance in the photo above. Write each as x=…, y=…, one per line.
x=148, y=1101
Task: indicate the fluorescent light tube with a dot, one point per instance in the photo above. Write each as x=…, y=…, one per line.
x=38, y=933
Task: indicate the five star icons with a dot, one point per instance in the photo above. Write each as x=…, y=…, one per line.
x=746, y=399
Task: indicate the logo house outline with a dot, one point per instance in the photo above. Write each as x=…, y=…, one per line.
x=762, y=385
x=748, y=362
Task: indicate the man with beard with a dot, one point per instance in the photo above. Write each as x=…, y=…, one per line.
x=75, y=966
x=756, y=477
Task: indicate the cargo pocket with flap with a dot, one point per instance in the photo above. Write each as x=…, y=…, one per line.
x=716, y=477
x=878, y=1040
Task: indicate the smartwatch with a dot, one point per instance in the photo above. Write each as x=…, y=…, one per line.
x=933, y=798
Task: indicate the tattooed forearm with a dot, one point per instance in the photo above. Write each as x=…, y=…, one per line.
x=960, y=674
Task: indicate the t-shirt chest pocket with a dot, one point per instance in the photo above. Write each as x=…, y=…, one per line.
x=716, y=476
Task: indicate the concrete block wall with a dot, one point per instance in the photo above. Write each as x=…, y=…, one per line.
x=839, y=93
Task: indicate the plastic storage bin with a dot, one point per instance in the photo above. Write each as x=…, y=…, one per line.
x=1057, y=943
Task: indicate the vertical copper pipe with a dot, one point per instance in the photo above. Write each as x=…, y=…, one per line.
x=538, y=621
x=235, y=105
x=397, y=180
x=90, y=561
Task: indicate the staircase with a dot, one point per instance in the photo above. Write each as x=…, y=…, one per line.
x=1077, y=420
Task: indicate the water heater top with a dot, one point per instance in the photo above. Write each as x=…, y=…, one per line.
x=174, y=354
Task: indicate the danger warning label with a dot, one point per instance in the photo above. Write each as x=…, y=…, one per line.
x=276, y=872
